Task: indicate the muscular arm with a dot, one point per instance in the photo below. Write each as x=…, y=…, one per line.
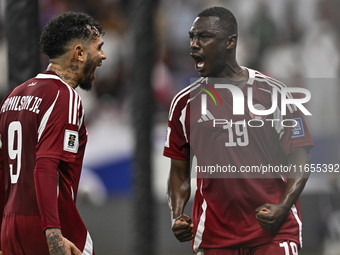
x=271, y=216
x=178, y=186
x=296, y=181
x=178, y=195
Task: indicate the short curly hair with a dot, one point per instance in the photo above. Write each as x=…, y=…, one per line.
x=225, y=15
x=60, y=30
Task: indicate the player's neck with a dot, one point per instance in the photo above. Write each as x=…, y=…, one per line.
x=233, y=70
x=65, y=74
x=233, y=74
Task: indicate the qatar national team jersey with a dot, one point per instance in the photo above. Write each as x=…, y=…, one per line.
x=43, y=118
x=224, y=206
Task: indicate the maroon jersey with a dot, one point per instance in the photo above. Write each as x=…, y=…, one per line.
x=224, y=206
x=43, y=118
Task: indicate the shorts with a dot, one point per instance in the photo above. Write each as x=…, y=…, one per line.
x=22, y=234
x=275, y=247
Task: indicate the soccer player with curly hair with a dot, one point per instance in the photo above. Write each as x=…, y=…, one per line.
x=43, y=138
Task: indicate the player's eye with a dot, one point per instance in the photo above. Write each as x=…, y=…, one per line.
x=100, y=46
x=205, y=37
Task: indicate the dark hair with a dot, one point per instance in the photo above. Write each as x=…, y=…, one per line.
x=60, y=30
x=225, y=16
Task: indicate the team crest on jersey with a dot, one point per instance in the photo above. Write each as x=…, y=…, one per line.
x=71, y=141
x=255, y=116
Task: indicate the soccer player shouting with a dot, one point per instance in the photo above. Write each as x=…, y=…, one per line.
x=234, y=213
x=43, y=139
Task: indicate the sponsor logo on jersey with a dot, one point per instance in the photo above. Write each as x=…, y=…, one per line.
x=31, y=84
x=298, y=130
x=256, y=116
x=206, y=117
x=71, y=142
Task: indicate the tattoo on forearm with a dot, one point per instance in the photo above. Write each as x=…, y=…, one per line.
x=56, y=245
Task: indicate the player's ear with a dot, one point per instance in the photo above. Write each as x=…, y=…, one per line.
x=78, y=52
x=231, y=42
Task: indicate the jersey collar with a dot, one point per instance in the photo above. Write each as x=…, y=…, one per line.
x=51, y=75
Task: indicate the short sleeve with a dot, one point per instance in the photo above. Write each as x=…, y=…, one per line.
x=176, y=144
x=296, y=133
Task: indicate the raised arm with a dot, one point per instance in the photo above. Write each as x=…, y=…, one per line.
x=178, y=195
x=271, y=216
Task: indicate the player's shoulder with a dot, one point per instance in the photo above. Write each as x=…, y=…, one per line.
x=62, y=97
x=45, y=85
x=53, y=84
x=51, y=81
x=38, y=86
x=181, y=98
x=265, y=81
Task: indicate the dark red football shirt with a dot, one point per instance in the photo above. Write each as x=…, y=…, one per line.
x=43, y=118
x=224, y=206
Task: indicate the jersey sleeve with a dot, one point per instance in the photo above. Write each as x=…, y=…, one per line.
x=46, y=188
x=176, y=144
x=295, y=131
x=58, y=142
x=58, y=133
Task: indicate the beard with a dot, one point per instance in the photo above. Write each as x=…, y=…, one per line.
x=86, y=84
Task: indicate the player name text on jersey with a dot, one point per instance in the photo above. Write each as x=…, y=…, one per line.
x=18, y=103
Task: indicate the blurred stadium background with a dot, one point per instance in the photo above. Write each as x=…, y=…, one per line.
x=288, y=39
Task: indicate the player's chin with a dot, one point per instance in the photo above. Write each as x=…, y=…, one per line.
x=87, y=85
x=204, y=72
x=93, y=76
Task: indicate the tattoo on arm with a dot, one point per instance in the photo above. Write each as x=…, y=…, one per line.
x=55, y=242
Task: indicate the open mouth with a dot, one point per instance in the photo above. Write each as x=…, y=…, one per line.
x=199, y=61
